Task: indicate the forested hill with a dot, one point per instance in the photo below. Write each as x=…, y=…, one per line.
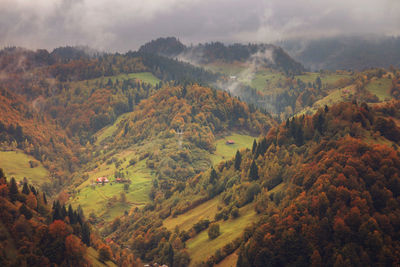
x=35, y=234
x=263, y=54
x=200, y=113
x=324, y=189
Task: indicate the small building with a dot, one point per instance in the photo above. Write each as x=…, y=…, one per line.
x=230, y=142
x=101, y=180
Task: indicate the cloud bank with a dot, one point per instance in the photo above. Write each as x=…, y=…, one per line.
x=122, y=25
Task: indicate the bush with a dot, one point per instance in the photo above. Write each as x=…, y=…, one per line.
x=235, y=212
x=213, y=231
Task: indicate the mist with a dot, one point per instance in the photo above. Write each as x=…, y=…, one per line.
x=123, y=25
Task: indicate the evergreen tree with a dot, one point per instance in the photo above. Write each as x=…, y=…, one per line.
x=71, y=215
x=13, y=190
x=299, y=138
x=253, y=171
x=57, y=211
x=63, y=212
x=25, y=189
x=86, y=234
x=213, y=176
x=238, y=160
x=44, y=198
x=25, y=211
x=33, y=190
x=253, y=150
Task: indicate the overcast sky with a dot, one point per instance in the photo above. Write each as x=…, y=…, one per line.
x=122, y=25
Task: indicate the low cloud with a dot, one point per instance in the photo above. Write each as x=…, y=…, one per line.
x=122, y=25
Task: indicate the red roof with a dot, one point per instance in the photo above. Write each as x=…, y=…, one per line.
x=102, y=179
x=230, y=142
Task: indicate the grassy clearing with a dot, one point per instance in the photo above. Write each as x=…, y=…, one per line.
x=266, y=80
x=146, y=77
x=226, y=68
x=93, y=256
x=326, y=78
x=109, y=130
x=185, y=221
x=229, y=261
x=99, y=199
x=225, y=152
x=200, y=247
x=380, y=88
x=336, y=96
x=16, y=164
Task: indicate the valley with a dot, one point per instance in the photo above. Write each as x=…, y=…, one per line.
x=243, y=158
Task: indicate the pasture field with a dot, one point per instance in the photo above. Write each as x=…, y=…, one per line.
x=16, y=164
x=200, y=247
x=226, y=152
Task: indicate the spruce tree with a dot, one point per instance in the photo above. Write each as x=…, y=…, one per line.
x=213, y=176
x=253, y=150
x=253, y=171
x=238, y=160
x=71, y=215
x=13, y=190
x=86, y=234
x=44, y=198
x=25, y=189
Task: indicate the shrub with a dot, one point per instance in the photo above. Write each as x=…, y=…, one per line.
x=213, y=231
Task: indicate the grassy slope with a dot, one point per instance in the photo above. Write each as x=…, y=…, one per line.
x=93, y=256
x=95, y=198
x=225, y=152
x=145, y=77
x=380, y=88
x=200, y=247
x=229, y=261
x=16, y=164
x=329, y=78
x=335, y=96
x=109, y=130
x=185, y=221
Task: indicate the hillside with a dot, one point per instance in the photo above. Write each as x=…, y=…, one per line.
x=318, y=189
x=34, y=234
x=264, y=54
x=344, y=53
x=143, y=147
x=169, y=169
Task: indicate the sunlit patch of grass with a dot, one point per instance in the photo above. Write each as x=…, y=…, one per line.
x=185, y=221
x=16, y=164
x=225, y=152
x=380, y=88
x=200, y=247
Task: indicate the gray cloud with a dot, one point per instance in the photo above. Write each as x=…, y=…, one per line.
x=121, y=25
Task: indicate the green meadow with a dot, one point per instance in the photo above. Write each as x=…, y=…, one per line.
x=225, y=152
x=200, y=247
x=105, y=200
x=185, y=221
x=16, y=164
x=380, y=88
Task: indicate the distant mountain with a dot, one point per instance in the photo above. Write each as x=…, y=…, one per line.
x=356, y=53
x=264, y=54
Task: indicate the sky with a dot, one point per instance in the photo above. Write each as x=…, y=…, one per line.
x=123, y=25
